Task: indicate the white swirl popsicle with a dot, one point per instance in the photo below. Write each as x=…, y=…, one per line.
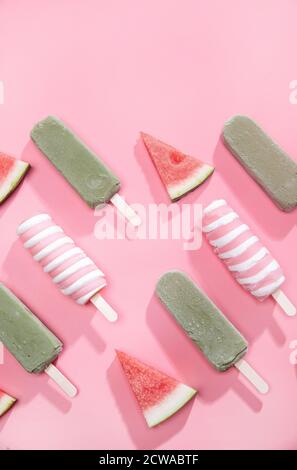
x=250, y=263
x=74, y=273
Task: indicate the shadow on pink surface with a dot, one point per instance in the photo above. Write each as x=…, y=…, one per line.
x=274, y=222
x=190, y=363
x=49, y=185
x=25, y=387
x=143, y=437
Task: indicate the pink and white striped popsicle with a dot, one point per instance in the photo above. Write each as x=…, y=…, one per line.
x=70, y=268
x=250, y=263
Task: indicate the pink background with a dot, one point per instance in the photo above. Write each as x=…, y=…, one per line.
x=177, y=69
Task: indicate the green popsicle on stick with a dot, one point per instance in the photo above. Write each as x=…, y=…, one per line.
x=263, y=160
x=216, y=337
x=33, y=345
x=87, y=174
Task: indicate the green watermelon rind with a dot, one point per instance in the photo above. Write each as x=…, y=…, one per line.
x=180, y=189
x=172, y=403
x=13, y=179
x=6, y=402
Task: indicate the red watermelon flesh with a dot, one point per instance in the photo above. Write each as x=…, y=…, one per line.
x=159, y=396
x=179, y=172
x=12, y=172
x=6, y=402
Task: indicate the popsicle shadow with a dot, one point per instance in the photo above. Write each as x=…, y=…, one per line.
x=25, y=386
x=274, y=221
x=17, y=267
x=57, y=196
x=142, y=436
x=211, y=384
x=254, y=316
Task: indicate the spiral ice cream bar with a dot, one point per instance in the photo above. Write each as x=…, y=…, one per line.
x=242, y=252
x=70, y=268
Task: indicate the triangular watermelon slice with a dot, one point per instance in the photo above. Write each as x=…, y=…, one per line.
x=179, y=172
x=12, y=172
x=158, y=395
x=6, y=402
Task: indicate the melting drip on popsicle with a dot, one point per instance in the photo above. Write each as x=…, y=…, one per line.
x=74, y=273
x=247, y=259
x=205, y=324
x=33, y=345
x=87, y=174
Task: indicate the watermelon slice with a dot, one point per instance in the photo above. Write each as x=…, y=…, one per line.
x=6, y=402
x=179, y=172
x=158, y=395
x=12, y=172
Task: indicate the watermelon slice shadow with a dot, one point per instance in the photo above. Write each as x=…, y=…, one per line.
x=142, y=436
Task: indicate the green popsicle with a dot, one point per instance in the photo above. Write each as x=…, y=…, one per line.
x=86, y=173
x=33, y=345
x=264, y=160
x=203, y=322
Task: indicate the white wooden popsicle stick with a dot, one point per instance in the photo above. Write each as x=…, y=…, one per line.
x=125, y=209
x=252, y=376
x=106, y=310
x=61, y=380
x=285, y=303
